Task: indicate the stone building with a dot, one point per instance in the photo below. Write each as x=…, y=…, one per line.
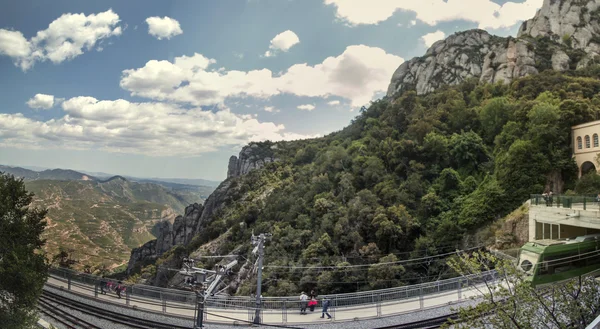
x=586, y=146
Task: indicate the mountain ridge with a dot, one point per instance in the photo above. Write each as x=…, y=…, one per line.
x=563, y=35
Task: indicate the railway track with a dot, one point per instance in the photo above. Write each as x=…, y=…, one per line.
x=62, y=317
x=48, y=298
x=423, y=324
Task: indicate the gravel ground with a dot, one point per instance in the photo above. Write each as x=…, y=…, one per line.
x=363, y=324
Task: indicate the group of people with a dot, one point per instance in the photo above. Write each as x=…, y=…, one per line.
x=310, y=301
x=547, y=197
x=111, y=286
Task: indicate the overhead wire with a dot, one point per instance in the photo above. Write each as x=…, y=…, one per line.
x=371, y=264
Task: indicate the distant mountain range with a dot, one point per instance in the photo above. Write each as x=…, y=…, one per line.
x=102, y=218
x=32, y=172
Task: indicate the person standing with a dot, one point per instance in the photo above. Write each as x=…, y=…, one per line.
x=325, y=308
x=119, y=289
x=102, y=285
x=303, y=302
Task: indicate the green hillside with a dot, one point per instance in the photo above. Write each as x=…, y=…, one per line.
x=411, y=176
x=102, y=221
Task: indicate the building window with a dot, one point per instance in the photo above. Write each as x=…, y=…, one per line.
x=595, y=140
x=579, y=143
x=587, y=142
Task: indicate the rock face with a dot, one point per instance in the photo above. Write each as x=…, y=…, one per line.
x=182, y=231
x=563, y=34
x=184, y=228
x=253, y=156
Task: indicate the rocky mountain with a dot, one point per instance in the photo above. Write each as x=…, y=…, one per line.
x=102, y=220
x=196, y=217
x=252, y=156
x=564, y=34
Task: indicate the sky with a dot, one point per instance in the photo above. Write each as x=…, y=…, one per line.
x=174, y=88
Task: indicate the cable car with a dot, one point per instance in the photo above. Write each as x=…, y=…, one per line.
x=549, y=261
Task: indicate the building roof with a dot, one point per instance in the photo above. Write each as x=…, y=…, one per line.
x=587, y=124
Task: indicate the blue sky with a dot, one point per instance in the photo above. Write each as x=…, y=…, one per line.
x=174, y=88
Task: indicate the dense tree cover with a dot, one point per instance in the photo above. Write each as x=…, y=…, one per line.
x=409, y=178
x=511, y=302
x=23, y=267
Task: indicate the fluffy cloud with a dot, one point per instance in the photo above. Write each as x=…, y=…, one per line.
x=430, y=38
x=486, y=13
x=306, y=107
x=163, y=28
x=64, y=39
x=334, y=103
x=271, y=109
x=156, y=129
x=357, y=75
x=282, y=42
x=41, y=101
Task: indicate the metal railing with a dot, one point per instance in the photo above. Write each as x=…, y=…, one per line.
x=166, y=299
x=580, y=202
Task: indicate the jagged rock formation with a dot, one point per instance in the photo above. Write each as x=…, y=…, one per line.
x=182, y=231
x=252, y=156
x=564, y=34
x=184, y=228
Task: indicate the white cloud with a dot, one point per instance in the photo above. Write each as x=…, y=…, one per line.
x=306, y=107
x=430, y=38
x=334, y=103
x=282, y=42
x=271, y=109
x=64, y=39
x=41, y=101
x=357, y=75
x=156, y=129
x=486, y=13
x=413, y=22
x=163, y=28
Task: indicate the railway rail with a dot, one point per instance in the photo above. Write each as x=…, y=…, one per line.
x=424, y=324
x=62, y=317
x=125, y=320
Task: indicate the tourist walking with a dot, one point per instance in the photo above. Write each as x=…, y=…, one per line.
x=325, y=307
x=313, y=300
x=119, y=289
x=303, y=302
x=102, y=286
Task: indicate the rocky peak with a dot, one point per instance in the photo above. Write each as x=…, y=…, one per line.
x=564, y=34
x=253, y=156
x=572, y=22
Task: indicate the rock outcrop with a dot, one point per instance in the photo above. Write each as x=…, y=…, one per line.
x=564, y=34
x=183, y=229
x=253, y=156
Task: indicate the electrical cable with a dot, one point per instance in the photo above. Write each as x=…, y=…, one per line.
x=371, y=264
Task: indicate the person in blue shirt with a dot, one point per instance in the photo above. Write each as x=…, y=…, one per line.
x=325, y=307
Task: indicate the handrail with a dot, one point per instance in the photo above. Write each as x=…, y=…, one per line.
x=585, y=202
x=356, y=298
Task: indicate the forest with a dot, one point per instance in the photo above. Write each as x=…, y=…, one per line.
x=410, y=179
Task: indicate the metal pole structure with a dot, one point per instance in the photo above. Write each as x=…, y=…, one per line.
x=200, y=310
x=261, y=242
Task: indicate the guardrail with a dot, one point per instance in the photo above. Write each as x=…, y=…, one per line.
x=453, y=289
x=582, y=202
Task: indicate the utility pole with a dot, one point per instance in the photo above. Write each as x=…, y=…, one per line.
x=259, y=242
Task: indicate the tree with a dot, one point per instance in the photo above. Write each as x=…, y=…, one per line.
x=23, y=267
x=511, y=301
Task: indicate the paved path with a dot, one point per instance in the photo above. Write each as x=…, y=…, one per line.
x=290, y=316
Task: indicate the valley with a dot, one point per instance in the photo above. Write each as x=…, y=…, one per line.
x=98, y=222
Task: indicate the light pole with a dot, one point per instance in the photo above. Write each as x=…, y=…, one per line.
x=199, y=309
x=260, y=242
